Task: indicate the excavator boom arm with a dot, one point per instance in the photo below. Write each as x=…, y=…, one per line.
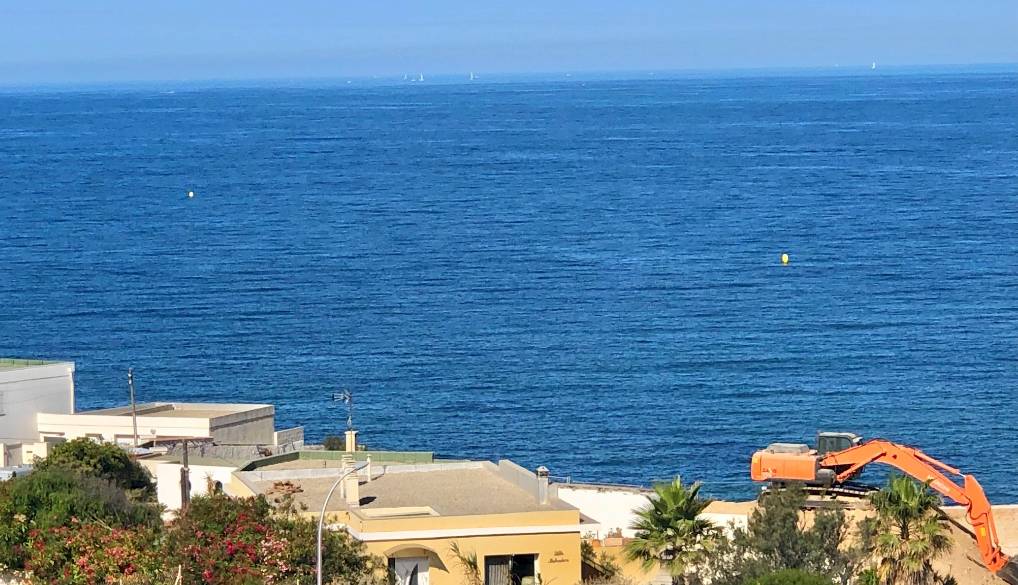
x=921, y=466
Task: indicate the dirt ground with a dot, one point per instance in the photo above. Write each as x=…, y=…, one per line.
x=963, y=561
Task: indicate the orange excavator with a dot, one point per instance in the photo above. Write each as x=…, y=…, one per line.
x=840, y=457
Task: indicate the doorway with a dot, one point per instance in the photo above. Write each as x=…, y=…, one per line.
x=510, y=570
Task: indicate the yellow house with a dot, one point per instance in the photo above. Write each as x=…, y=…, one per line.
x=414, y=515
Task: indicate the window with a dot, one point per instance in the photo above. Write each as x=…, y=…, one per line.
x=510, y=570
x=410, y=570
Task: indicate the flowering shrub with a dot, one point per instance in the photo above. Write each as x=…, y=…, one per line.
x=93, y=553
x=50, y=498
x=233, y=541
x=71, y=527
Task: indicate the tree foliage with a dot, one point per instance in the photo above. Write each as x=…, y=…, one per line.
x=104, y=460
x=778, y=537
x=670, y=532
x=912, y=533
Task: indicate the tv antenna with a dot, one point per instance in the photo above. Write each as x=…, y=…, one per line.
x=346, y=397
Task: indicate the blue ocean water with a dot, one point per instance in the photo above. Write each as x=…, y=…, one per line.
x=580, y=275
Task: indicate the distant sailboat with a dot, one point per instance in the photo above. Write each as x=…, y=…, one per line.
x=405, y=78
x=420, y=77
x=873, y=66
x=472, y=76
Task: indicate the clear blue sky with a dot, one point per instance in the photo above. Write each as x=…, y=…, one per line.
x=81, y=41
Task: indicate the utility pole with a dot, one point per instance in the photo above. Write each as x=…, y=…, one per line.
x=185, y=478
x=134, y=407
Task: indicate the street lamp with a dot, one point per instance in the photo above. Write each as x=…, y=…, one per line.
x=321, y=518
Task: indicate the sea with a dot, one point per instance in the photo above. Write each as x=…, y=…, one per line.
x=581, y=273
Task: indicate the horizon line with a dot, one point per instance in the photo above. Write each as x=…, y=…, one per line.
x=483, y=77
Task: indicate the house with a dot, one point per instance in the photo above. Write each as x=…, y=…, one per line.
x=223, y=424
x=416, y=514
x=28, y=388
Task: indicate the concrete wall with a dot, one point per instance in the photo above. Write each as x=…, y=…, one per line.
x=611, y=507
x=167, y=476
x=251, y=427
x=26, y=391
x=293, y=437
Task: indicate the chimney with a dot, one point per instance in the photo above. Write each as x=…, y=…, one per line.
x=542, y=485
x=352, y=490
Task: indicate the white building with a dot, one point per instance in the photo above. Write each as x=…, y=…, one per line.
x=223, y=424
x=612, y=508
x=27, y=388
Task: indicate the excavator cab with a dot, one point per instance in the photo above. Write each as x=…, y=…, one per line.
x=834, y=442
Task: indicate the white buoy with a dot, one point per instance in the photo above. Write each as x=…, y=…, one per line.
x=190, y=194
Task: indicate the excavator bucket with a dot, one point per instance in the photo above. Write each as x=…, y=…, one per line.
x=1009, y=572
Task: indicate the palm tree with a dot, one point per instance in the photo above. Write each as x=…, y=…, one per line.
x=670, y=532
x=911, y=533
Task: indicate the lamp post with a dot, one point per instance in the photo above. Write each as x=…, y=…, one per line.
x=321, y=518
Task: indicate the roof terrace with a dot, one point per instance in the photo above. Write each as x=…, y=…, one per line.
x=20, y=364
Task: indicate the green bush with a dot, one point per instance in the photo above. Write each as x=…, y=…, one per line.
x=334, y=443
x=103, y=460
x=790, y=577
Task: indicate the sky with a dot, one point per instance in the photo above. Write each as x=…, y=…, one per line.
x=71, y=41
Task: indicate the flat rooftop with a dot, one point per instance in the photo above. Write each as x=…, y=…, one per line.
x=458, y=489
x=177, y=410
x=20, y=364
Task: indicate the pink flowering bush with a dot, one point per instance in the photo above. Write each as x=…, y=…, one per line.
x=92, y=554
x=238, y=541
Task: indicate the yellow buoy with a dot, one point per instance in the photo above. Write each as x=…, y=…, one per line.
x=784, y=259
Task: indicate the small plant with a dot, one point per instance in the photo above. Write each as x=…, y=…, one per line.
x=334, y=443
x=283, y=496
x=603, y=566
x=468, y=562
